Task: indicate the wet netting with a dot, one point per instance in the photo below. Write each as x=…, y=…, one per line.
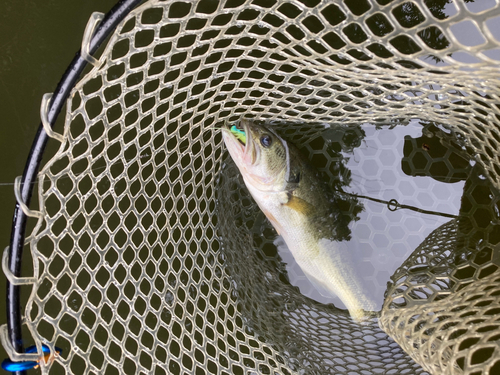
x=150, y=255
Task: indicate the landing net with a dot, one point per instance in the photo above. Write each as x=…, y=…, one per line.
x=152, y=256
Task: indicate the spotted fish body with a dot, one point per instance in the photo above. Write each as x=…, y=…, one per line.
x=302, y=209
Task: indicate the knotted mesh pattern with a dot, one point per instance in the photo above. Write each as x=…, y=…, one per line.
x=153, y=257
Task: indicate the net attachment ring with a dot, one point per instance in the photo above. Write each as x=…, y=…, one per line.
x=11, y=352
x=14, y=280
x=24, y=207
x=44, y=109
x=92, y=24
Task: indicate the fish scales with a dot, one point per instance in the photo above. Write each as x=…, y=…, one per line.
x=303, y=210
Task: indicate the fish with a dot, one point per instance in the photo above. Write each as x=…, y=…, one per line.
x=302, y=208
x=11, y=366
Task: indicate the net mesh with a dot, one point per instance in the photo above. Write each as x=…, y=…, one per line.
x=153, y=258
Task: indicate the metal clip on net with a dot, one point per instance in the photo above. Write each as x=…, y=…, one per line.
x=94, y=20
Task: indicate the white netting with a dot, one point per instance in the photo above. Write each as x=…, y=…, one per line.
x=153, y=257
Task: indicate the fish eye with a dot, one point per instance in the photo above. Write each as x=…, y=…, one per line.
x=266, y=140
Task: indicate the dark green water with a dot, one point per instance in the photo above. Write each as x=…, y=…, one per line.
x=38, y=40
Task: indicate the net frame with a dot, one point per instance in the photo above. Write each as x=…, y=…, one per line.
x=484, y=71
x=11, y=332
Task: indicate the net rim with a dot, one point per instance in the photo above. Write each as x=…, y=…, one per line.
x=18, y=236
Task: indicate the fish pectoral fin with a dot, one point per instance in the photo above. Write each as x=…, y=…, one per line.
x=298, y=204
x=273, y=221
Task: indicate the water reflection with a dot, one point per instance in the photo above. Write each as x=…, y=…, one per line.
x=375, y=176
x=390, y=212
x=275, y=299
x=461, y=251
x=423, y=224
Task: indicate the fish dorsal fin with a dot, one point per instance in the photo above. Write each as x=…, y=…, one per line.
x=299, y=205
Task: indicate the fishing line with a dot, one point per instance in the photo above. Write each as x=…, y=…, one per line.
x=393, y=205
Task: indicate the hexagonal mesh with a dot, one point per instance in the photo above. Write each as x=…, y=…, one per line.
x=154, y=258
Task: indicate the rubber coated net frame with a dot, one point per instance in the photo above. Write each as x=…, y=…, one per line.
x=145, y=250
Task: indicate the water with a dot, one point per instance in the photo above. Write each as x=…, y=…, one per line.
x=38, y=41
x=390, y=164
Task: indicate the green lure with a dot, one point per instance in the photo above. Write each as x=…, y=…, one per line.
x=239, y=134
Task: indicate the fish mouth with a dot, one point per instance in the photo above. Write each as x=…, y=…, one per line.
x=241, y=138
x=251, y=152
x=240, y=133
x=236, y=135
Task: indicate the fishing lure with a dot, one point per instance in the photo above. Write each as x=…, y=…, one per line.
x=239, y=134
x=11, y=366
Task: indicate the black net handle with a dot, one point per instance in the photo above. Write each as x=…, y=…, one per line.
x=64, y=87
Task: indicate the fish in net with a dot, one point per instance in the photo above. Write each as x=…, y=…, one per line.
x=151, y=256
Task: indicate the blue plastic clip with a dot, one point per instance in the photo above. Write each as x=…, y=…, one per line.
x=8, y=365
